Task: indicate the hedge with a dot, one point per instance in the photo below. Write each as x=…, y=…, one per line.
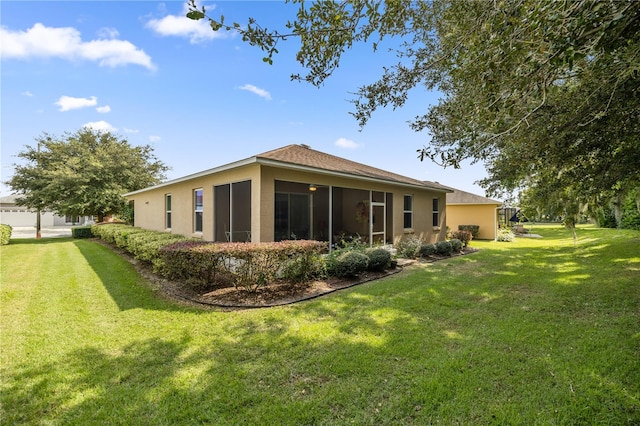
x=5, y=234
x=81, y=232
x=244, y=265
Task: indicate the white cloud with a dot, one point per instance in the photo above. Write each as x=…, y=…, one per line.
x=258, y=91
x=154, y=138
x=108, y=32
x=103, y=109
x=181, y=26
x=127, y=130
x=346, y=143
x=66, y=43
x=27, y=93
x=101, y=126
x=67, y=103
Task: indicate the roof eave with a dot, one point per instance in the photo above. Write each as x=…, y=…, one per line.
x=229, y=166
x=300, y=167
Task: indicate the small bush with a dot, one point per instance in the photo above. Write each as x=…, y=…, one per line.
x=81, y=232
x=456, y=245
x=444, y=248
x=348, y=264
x=244, y=265
x=506, y=235
x=464, y=236
x=474, y=229
x=5, y=234
x=409, y=247
x=379, y=259
x=427, y=250
x=302, y=268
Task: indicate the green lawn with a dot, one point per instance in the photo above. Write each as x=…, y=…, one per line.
x=538, y=331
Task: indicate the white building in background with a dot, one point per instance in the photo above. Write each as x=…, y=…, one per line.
x=19, y=216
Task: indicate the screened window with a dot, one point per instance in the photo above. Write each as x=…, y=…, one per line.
x=167, y=211
x=198, y=207
x=436, y=212
x=408, y=211
x=232, y=211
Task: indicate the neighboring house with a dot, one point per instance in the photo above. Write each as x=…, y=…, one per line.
x=294, y=192
x=19, y=216
x=465, y=208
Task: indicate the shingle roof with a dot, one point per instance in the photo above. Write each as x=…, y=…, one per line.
x=462, y=197
x=302, y=155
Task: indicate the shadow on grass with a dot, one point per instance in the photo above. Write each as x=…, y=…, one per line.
x=127, y=288
x=535, y=335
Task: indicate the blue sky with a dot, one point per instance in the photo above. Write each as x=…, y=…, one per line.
x=201, y=99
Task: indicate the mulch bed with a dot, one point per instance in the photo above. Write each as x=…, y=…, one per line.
x=275, y=294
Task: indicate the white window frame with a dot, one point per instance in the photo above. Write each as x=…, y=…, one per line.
x=435, y=214
x=168, y=219
x=197, y=210
x=405, y=212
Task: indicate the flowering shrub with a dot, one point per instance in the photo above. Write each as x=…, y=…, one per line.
x=409, y=247
x=506, y=235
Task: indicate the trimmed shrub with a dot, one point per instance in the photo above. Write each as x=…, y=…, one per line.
x=108, y=231
x=244, y=265
x=409, y=247
x=474, y=229
x=379, y=259
x=427, y=250
x=348, y=264
x=5, y=234
x=303, y=268
x=506, y=235
x=81, y=232
x=121, y=237
x=464, y=236
x=456, y=245
x=444, y=248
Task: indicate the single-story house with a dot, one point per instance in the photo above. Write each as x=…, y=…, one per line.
x=465, y=208
x=22, y=217
x=294, y=192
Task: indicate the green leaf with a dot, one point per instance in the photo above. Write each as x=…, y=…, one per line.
x=196, y=15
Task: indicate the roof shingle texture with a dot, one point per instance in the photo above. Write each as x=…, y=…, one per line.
x=462, y=197
x=301, y=155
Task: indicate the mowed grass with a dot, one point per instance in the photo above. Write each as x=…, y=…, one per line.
x=538, y=331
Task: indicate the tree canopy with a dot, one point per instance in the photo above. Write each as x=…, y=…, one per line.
x=84, y=173
x=544, y=93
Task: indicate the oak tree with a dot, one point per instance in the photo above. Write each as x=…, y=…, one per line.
x=540, y=92
x=84, y=173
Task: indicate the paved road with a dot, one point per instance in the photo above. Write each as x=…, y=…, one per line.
x=49, y=232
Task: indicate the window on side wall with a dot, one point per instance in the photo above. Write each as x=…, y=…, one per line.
x=436, y=212
x=408, y=211
x=167, y=211
x=198, y=206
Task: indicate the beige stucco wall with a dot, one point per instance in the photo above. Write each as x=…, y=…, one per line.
x=150, y=212
x=483, y=215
